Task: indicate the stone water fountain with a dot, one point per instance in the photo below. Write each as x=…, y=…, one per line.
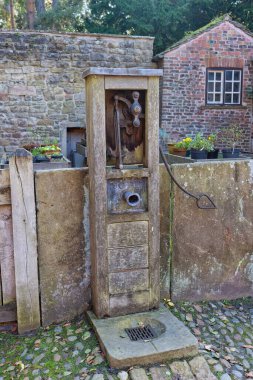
x=123, y=159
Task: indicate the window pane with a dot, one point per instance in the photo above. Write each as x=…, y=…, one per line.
x=236, y=98
x=228, y=86
x=210, y=86
x=211, y=75
x=218, y=76
x=237, y=75
x=228, y=98
x=228, y=74
x=217, y=97
x=236, y=87
x=210, y=98
x=218, y=87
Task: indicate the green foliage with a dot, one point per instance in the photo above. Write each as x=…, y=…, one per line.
x=230, y=137
x=201, y=143
x=44, y=150
x=167, y=20
x=68, y=16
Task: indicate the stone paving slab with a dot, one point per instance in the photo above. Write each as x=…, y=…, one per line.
x=138, y=374
x=182, y=369
x=173, y=340
x=159, y=373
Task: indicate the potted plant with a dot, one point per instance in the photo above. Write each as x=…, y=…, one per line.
x=230, y=138
x=181, y=147
x=200, y=146
x=213, y=153
x=44, y=153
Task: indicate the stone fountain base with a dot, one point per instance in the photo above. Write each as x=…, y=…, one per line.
x=172, y=339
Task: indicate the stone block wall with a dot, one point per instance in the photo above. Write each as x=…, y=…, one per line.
x=184, y=82
x=41, y=85
x=204, y=254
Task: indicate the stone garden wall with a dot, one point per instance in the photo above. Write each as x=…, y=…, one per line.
x=205, y=254
x=41, y=85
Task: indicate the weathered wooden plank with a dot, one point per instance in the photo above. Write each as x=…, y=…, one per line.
x=8, y=313
x=95, y=94
x=130, y=281
x=4, y=178
x=152, y=162
x=5, y=195
x=122, y=83
x=25, y=240
x=127, y=173
x=128, y=258
x=7, y=256
x=132, y=71
x=127, y=234
x=129, y=303
x=1, y=295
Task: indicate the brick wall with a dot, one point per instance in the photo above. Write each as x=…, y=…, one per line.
x=184, y=82
x=41, y=85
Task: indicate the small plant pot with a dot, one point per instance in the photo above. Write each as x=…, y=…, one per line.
x=231, y=153
x=179, y=152
x=171, y=148
x=56, y=156
x=213, y=154
x=41, y=159
x=198, y=154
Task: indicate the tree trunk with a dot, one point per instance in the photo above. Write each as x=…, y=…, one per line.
x=30, y=11
x=54, y=3
x=12, y=15
x=40, y=6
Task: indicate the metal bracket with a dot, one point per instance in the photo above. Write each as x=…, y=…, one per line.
x=203, y=200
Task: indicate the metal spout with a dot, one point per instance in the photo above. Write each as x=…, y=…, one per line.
x=132, y=199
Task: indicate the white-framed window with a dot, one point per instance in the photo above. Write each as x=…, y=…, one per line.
x=224, y=86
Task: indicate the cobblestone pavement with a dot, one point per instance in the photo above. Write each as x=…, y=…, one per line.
x=70, y=351
x=225, y=334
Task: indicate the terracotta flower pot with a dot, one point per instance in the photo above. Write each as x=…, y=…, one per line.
x=179, y=152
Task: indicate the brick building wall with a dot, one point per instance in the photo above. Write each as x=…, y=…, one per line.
x=184, y=82
x=41, y=85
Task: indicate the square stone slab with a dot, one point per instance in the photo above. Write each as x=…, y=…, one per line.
x=173, y=341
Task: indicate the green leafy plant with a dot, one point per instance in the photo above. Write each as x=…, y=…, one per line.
x=201, y=143
x=184, y=144
x=231, y=137
x=46, y=150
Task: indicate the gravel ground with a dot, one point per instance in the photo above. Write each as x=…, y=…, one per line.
x=71, y=351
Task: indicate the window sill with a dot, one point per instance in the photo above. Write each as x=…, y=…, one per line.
x=223, y=107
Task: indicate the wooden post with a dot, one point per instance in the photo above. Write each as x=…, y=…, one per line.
x=98, y=207
x=25, y=240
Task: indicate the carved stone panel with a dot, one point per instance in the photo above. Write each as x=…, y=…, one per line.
x=128, y=282
x=116, y=195
x=127, y=234
x=128, y=258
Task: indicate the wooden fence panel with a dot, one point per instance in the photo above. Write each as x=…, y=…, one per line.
x=25, y=240
x=7, y=272
x=7, y=256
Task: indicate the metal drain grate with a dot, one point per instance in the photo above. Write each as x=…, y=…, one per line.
x=141, y=333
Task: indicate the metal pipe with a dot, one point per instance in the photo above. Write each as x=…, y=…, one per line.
x=132, y=199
